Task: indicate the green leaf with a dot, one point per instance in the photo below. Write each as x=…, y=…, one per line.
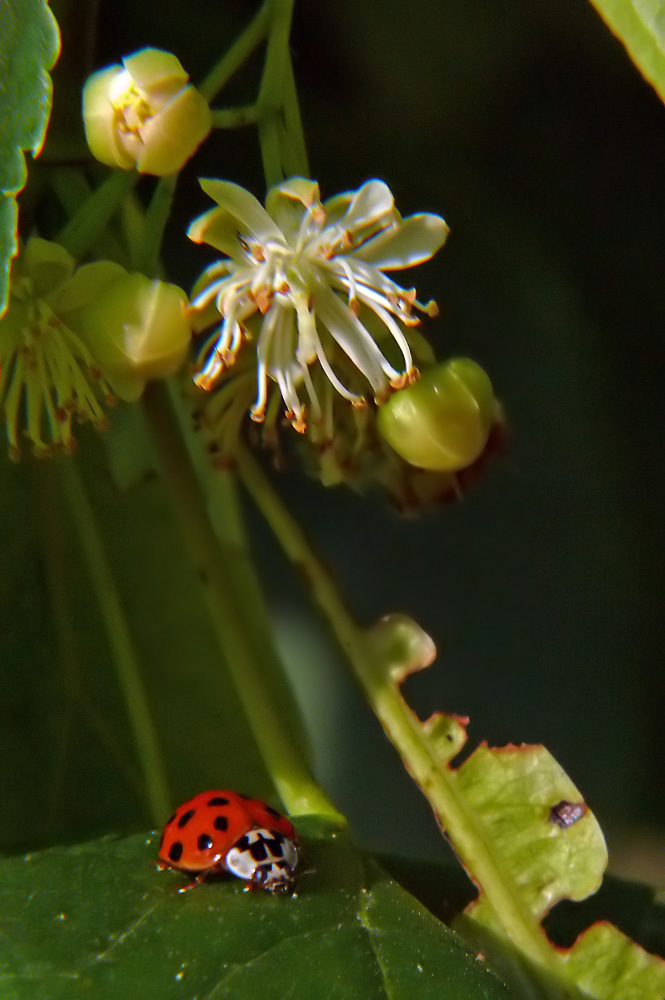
x=640, y=26
x=515, y=792
x=524, y=834
x=97, y=920
x=635, y=906
x=29, y=46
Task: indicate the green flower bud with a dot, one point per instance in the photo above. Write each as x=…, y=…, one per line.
x=136, y=329
x=442, y=421
x=73, y=339
x=144, y=116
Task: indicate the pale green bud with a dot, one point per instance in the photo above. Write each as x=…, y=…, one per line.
x=136, y=329
x=144, y=114
x=73, y=339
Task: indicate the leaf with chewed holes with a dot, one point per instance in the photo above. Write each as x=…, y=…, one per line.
x=29, y=45
x=97, y=920
x=523, y=832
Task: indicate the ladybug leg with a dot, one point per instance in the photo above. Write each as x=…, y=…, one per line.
x=196, y=881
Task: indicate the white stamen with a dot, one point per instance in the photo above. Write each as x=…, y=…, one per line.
x=398, y=335
x=354, y=340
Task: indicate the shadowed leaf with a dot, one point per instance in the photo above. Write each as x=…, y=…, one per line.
x=98, y=920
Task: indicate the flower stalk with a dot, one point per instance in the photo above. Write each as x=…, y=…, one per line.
x=240, y=51
x=376, y=677
x=283, y=759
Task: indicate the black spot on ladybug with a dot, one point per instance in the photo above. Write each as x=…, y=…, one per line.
x=258, y=851
x=221, y=823
x=204, y=842
x=273, y=812
x=218, y=800
x=565, y=814
x=185, y=818
x=175, y=851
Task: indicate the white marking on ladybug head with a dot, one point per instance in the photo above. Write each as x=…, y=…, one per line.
x=264, y=858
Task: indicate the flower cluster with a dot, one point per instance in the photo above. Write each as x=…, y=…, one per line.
x=335, y=341
x=306, y=280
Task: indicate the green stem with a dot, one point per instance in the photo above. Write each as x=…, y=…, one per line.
x=293, y=123
x=156, y=217
x=271, y=149
x=120, y=641
x=232, y=60
x=84, y=228
x=400, y=724
x=221, y=493
x=249, y=114
x=271, y=92
x=72, y=190
x=292, y=778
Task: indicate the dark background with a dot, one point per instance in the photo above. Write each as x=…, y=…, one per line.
x=528, y=128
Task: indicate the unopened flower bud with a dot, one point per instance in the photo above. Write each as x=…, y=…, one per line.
x=73, y=339
x=144, y=114
x=137, y=329
x=443, y=420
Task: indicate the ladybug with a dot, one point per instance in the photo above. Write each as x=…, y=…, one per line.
x=223, y=831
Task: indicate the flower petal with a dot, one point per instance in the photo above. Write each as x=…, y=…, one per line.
x=250, y=215
x=336, y=206
x=415, y=240
x=287, y=202
x=47, y=264
x=172, y=136
x=156, y=71
x=99, y=118
x=87, y=283
x=220, y=230
x=370, y=203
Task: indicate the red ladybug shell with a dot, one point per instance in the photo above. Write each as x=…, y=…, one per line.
x=203, y=830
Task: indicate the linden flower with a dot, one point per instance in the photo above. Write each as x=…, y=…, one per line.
x=306, y=279
x=145, y=115
x=74, y=338
x=41, y=359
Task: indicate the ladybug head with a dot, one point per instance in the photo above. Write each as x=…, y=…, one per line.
x=266, y=859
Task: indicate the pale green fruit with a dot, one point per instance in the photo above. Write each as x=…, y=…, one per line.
x=442, y=421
